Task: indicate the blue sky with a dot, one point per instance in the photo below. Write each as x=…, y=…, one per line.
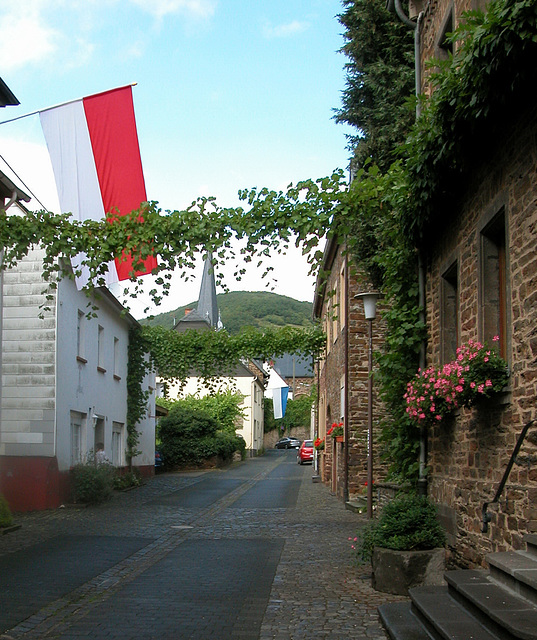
x=231, y=94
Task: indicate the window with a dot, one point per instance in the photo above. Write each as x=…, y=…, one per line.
x=334, y=311
x=449, y=313
x=117, y=375
x=322, y=416
x=342, y=298
x=117, y=444
x=77, y=429
x=444, y=48
x=80, y=337
x=100, y=349
x=493, y=282
x=342, y=398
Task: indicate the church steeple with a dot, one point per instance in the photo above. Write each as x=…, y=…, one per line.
x=206, y=316
x=207, y=304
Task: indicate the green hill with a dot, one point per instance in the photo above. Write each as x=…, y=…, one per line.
x=240, y=309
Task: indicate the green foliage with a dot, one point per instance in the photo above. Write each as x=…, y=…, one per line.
x=297, y=414
x=6, y=519
x=224, y=407
x=485, y=85
x=190, y=436
x=216, y=353
x=380, y=81
x=92, y=483
x=408, y=522
x=136, y=396
x=239, y=309
x=127, y=480
x=269, y=421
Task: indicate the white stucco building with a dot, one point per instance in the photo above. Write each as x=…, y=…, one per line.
x=64, y=385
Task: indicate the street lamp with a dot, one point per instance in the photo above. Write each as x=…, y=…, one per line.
x=370, y=310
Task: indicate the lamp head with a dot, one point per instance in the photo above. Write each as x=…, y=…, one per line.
x=370, y=303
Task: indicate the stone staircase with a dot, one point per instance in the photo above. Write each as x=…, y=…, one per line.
x=500, y=604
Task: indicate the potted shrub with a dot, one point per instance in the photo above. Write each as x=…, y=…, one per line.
x=405, y=545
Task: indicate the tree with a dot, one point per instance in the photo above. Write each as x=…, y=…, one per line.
x=380, y=81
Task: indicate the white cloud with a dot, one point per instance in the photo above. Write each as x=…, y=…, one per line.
x=25, y=39
x=31, y=31
x=194, y=8
x=285, y=30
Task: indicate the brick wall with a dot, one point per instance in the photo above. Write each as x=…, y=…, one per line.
x=348, y=349
x=468, y=454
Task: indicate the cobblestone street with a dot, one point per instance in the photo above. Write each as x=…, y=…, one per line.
x=253, y=551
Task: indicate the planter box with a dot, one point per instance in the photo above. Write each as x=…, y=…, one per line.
x=339, y=438
x=398, y=571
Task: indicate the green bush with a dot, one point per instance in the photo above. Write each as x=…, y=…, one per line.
x=190, y=436
x=127, y=480
x=92, y=483
x=6, y=519
x=408, y=522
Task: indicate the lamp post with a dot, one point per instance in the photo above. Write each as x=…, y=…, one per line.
x=370, y=310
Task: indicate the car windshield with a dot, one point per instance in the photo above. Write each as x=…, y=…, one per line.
x=308, y=443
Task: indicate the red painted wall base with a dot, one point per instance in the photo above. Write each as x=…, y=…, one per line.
x=32, y=483
x=35, y=484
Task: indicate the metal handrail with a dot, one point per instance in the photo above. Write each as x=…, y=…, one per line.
x=486, y=516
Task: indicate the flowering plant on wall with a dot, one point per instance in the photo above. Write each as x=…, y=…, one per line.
x=319, y=444
x=477, y=371
x=335, y=430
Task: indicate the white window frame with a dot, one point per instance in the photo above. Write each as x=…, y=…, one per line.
x=77, y=432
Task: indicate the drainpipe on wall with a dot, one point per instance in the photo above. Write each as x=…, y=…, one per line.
x=415, y=26
x=346, y=421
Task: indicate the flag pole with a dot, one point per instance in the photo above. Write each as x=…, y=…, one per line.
x=63, y=104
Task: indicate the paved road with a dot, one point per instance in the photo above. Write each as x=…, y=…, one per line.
x=255, y=551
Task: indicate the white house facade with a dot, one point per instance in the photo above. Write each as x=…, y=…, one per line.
x=64, y=386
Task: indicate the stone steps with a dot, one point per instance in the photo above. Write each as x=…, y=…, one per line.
x=500, y=604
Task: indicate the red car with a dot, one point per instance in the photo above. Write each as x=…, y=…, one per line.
x=305, y=453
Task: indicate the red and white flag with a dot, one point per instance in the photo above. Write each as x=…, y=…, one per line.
x=93, y=147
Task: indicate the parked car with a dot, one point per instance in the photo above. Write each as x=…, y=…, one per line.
x=287, y=443
x=305, y=453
